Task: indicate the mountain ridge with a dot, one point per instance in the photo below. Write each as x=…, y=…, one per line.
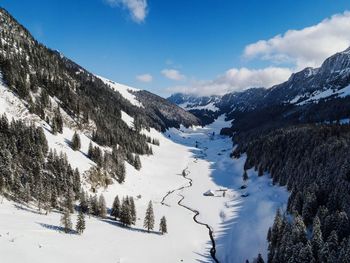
x=302, y=87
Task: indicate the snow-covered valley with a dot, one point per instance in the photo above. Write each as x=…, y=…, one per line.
x=250, y=165
x=239, y=224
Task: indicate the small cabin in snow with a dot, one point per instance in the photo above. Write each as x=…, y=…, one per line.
x=209, y=193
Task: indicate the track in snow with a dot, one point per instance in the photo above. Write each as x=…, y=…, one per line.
x=196, y=212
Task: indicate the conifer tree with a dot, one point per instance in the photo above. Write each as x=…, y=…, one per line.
x=59, y=120
x=90, y=150
x=94, y=205
x=66, y=222
x=132, y=210
x=259, y=259
x=76, y=181
x=316, y=238
x=163, y=226
x=46, y=200
x=299, y=230
x=69, y=202
x=344, y=253
x=27, y=194
x=125, y=215
x=80, y=227
x=149, y=217
x=54, y=128
x=102, y=206
x=305, y=254
x=332, y=241
x=83, y=202
x=309, y=207
x=276, y=228
x=120, y=172
x=115, y=211
x=245, y=176
x=39, y=191
x=44, y=98
x=53, y=199
x=130, y=158
x=2, y=185
x=137, y=162
x=97, y=156
x=76, y=143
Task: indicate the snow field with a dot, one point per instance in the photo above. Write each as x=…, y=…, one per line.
x=27, y=236
x=240, y=223
x=123, y=90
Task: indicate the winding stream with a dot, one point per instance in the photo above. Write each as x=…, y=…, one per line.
x=185, y=173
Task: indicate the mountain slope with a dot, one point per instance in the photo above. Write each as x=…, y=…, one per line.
x=52, y=99
x=305, y=88
x=59, y=99
x=162, y=111
x=298, y=133
x=29, y=67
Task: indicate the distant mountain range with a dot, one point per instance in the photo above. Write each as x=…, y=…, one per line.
x=303, y=89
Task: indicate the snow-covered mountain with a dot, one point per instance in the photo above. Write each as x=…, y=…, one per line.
x=309, y=86
x=77, y=89
x=72, y=141
x=333, y=75
x=192, y=102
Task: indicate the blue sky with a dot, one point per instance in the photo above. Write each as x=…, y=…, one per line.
x=199, y=46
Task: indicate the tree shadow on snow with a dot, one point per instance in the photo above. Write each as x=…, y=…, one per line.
x=140, y=230
x=204, y=258
x=27, y=209
x=55, y=228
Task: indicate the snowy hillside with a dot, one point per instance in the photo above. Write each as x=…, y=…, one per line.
x=149, y=179
x=29, y=236
x=124, y=90
x=317, y=96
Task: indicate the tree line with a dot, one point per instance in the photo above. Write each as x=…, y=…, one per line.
x=124, y=211
x=27, y=65
x=30, y=172
x=313, y=162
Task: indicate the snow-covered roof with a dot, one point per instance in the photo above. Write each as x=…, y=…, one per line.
x=209, y=192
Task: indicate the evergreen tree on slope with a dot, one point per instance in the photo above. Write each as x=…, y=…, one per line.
x=80, y=227
x=76, y=143
x=115, y=211
x=66, y=222
x=163, y=226
x=149, y=217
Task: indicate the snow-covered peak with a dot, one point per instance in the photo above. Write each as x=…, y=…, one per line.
x=336, y=63
x=192, y=102
x=347, y=50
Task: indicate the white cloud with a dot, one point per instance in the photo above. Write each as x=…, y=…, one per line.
x=236, y=80
x=286, y=53
x=173, y=74
x=138, y=8
x=309, y=46
x=144, y=78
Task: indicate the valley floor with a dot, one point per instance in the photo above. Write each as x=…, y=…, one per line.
x=239, y=223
